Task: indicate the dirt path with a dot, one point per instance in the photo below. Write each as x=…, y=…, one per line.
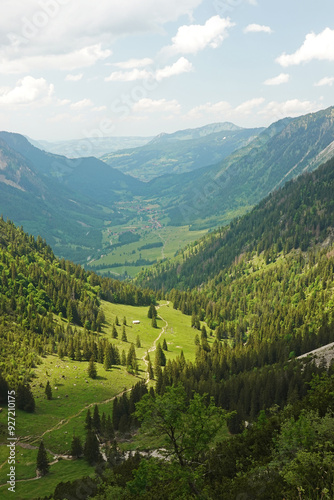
x=154, y=346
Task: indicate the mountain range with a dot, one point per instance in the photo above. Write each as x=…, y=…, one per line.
x=182, y=151
x=70, y=201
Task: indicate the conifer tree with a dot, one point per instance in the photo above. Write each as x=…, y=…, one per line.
x=117, y=321
x=160, y=358
x=131, y=360
x=124, y=337
x=92, y=373
x=114, y=332
x=88, y=421
x=107, y=361
x=48, y=391
x=164, y=345
x=123, y=358
x=76, y=447
x=154, y=322
x=42, y=460
x=96, y=421
x=109, y=432
x=138, y=343
x=91, y=448
x=124, y=320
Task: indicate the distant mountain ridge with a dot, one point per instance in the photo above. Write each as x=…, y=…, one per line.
x=89, y=146
x=182, y=151
x=281, y=152
x=61, y=199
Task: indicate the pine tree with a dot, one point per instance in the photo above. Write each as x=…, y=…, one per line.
x=92, y=373
x=107, y=361
x=150, y=370
x=76, y=447
x=164, y=345
x=88, y=421
x=138, y=343
x=42, y=460
x=109, y=432
x=96, y=421
x=117, y=321
x=124, y=337
x=160, y=358
x=123, y=358
x=91, y=448
x=124, y=320
x=152, y=312
x=131, y=360
x=154, y=322
x=114, y=332
x=48, y=391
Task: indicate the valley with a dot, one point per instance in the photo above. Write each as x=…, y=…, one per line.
x=203, y=354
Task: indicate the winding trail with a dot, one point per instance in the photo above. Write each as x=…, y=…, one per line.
x=154, y=346
x=25, y=442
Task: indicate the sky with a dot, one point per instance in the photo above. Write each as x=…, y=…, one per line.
x=73, y=69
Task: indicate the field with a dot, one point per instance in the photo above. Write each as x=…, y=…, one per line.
x=148, y=225
x=56, y=421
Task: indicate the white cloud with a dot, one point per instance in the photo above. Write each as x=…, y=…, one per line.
x=191, y=39
x=85, y=57
x=153, y=106
x=182, y=65
x=319, y=47
x=134, y=63
x=128, y=76
x=278, y=80
x=212, y=109
x=27, y=91
x=84, y=103
x=327, y=80
x=74, y=78
x=31, y=27
x=257, y=28
x=293, y=107
x=247, y=107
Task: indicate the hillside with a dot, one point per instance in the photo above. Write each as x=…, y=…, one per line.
x=211, y=196
x=298, y=215
x=65, y=200
x=235, y=338
x=182, y=151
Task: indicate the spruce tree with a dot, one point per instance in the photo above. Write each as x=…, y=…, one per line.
x=92, y=373
x=117, y=321
x=164, y=345
x=48, y=391
x=154, y=322
x=96, y=421
x=107, y=361
x=76, y=447
x=124, y=320
x=88, y=421
x=114, y=332
x=138, y=343
x=124, y=337
x=91, y=448
x=123, y=358
x=42, y=460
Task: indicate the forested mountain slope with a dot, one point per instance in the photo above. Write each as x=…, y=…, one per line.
x=299, y=215
x=283, y=151
x=67, y=201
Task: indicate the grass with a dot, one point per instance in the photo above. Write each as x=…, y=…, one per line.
x=64, y=470
x=150, y=223
x=56, y=421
